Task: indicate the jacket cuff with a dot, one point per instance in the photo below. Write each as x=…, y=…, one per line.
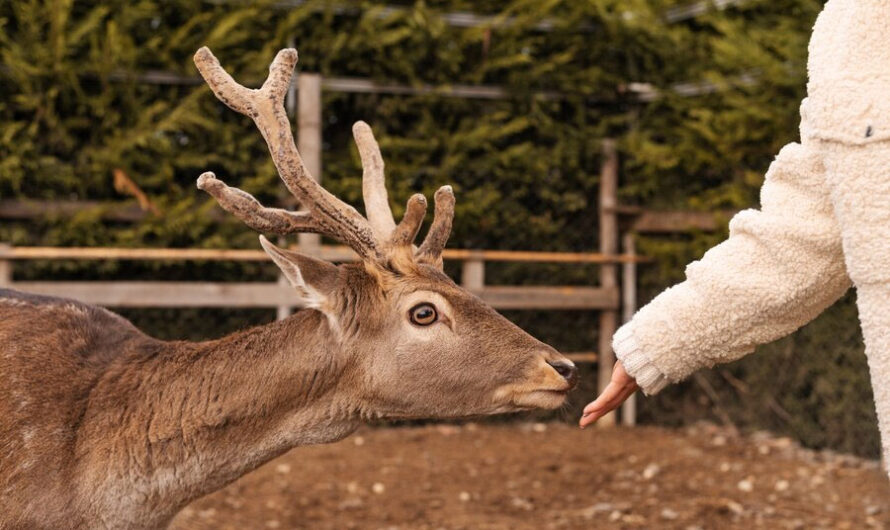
x=636, y=363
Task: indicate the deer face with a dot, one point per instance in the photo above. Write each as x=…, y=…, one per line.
x=422, y=345
x=447, y=353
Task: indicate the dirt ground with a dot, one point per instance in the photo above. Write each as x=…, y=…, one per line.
x=541, y=476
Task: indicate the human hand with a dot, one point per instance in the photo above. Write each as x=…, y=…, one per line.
x=620, y=387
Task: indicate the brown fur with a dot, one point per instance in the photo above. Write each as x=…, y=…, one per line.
x=105, y=427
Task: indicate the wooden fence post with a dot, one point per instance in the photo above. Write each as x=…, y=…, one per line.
x=608, y=273
x=309, y=145
x=629, y=295
x=309, y=138
x=472, y=275
x=5, y=266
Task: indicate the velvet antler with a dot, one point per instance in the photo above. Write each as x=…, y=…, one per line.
x=372, y=238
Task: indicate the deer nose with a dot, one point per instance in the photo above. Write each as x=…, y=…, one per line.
x=568, y=371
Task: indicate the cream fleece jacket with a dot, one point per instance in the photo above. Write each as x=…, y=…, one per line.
x=824, y=224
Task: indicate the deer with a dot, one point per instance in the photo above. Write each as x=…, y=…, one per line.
x=103, y=426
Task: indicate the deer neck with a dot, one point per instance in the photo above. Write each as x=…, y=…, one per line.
x=200, y=415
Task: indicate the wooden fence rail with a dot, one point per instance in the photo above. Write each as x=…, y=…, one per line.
x=329, y=252
x=270, y=294
x=273, y=294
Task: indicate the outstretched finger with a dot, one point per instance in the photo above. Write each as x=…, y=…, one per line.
x=609, y=395
x=609, y=400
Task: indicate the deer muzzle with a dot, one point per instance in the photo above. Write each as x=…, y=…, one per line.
x=545, y=385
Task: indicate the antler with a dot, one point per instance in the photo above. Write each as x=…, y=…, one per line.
x=377, y=204
x=373, y=238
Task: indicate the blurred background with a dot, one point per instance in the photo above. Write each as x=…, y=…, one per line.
x=101, y=110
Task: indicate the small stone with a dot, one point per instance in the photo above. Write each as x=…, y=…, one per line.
x=284, y=469
x=522, y=504
x=873, y=510
x=725, y=467
x=359, y=440
x=352, y=487
x=782, y=485
x=719, y=440
x=746, y=485
x=600, y=507
x=464, y=496
x=650, y=471
x=273, y=524
x=669, y=514
x=615, y=516
x=735, y=507
x=207, y=514
x=378, y=488
x=783, y=442
x=633, y=519
x=448, y=430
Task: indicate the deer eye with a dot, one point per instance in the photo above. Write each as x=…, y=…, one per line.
x=423, y=314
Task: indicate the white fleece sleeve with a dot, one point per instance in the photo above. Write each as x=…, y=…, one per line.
x=781, y=266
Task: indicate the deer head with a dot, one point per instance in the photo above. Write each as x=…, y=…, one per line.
x=421, y=346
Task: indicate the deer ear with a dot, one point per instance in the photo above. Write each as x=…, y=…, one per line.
x=314, y=279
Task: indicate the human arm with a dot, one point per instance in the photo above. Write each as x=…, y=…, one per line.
x=781, y=266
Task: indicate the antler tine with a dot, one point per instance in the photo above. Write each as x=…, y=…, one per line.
x=226, y=89
x=373, y=181
x=249, y=210
x=434, y=243
x=280, y=73
x=238, y=97
x=375, y=195
x=404, y=234
x=330, y=216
